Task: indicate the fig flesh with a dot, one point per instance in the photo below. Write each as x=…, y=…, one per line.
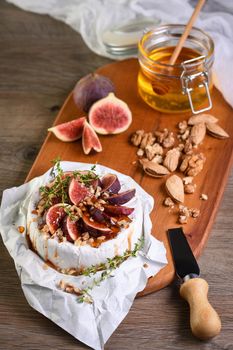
x=54, y=217
x=90, y=89
x=77, y=191
x=117, y=210
x=90, y=139
x=110, y=182
x=110, y=115
x=70, y=229
x=70, y=131
x=96, y=226
x=122, y=198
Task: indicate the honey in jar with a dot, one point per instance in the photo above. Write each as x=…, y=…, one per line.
x=180, y=87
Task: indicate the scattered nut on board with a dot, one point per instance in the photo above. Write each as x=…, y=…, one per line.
x=204, y=197
x=162, y=152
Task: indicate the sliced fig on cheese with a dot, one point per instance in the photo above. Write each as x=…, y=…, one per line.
x=70, y=229
x=77, y=191
x=99, y=215
x=110, y=182
x=91, y=224
x=122, y=198
x=117, y=210
x=54, y=217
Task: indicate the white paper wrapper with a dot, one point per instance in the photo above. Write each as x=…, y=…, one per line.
x=93, y=323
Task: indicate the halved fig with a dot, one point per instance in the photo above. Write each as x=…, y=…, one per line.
x=77, y=191
x=111, y=183
x=54, y=217
x=110, y=115
x=122, y=198
x=117, y=210
x=98, y=226
x=70, y=131
x=70, y=229
x=90, y=139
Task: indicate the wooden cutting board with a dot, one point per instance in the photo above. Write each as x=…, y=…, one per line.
x=120, y=155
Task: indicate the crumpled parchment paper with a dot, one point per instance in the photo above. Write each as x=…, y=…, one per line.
x=93, y=323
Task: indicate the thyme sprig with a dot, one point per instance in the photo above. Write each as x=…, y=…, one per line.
x=60, y=184
x=86, y=178
x=108, y=268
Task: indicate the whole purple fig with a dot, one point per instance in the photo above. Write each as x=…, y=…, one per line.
x=90, y=89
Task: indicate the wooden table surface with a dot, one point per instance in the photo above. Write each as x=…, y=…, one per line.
x=40, y=61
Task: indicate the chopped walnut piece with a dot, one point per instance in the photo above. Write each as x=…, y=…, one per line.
x=183, y=219
x=169, y=141
x=152, y=150
x=185, y=135
x=45, y=229
x=101, y=238
x=182, y=126
x=188, y=146
x=68, y=288
x=180, y=147
x=140, y=152
x=187, y=180
x=192, y=164
x=183, y=210
x=161, y=135
x=91, y=241
x=85, y=236
x=72, y=271
x=147, y=140
x=157, y=159
x=98, y=191
x=168, y=202
x=136, y=137
x=78, y=242
x=189, y=188
x=194, y=212
x=204, y=197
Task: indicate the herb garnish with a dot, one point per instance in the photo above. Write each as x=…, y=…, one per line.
x=60, y=184
x=108, y=268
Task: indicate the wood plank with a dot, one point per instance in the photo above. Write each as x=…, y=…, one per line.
x=120, y=155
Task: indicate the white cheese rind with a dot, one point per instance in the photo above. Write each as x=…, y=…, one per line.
x=66, y=255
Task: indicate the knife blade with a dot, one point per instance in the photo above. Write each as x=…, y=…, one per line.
x=204, y=320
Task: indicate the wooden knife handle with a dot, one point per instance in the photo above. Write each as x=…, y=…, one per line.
x=204, y=320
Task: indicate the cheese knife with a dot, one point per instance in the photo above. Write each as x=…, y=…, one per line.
x=204, y=320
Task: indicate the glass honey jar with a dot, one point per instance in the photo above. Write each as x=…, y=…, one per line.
x=180, y=87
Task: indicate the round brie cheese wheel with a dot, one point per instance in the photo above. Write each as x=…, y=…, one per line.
x=66, y=255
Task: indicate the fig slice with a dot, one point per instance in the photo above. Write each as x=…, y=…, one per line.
x=94, y=225
x=110, y=115
x=54, y=217
x=77, y=191
x=90, y=89
x=122, y=198
x=70, y=131
x=70, y=229
x=111, y=183
x=99, y=215
x=90, y=139
x=117, y=210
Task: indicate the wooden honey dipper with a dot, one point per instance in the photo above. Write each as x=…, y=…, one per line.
x=160, y=88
